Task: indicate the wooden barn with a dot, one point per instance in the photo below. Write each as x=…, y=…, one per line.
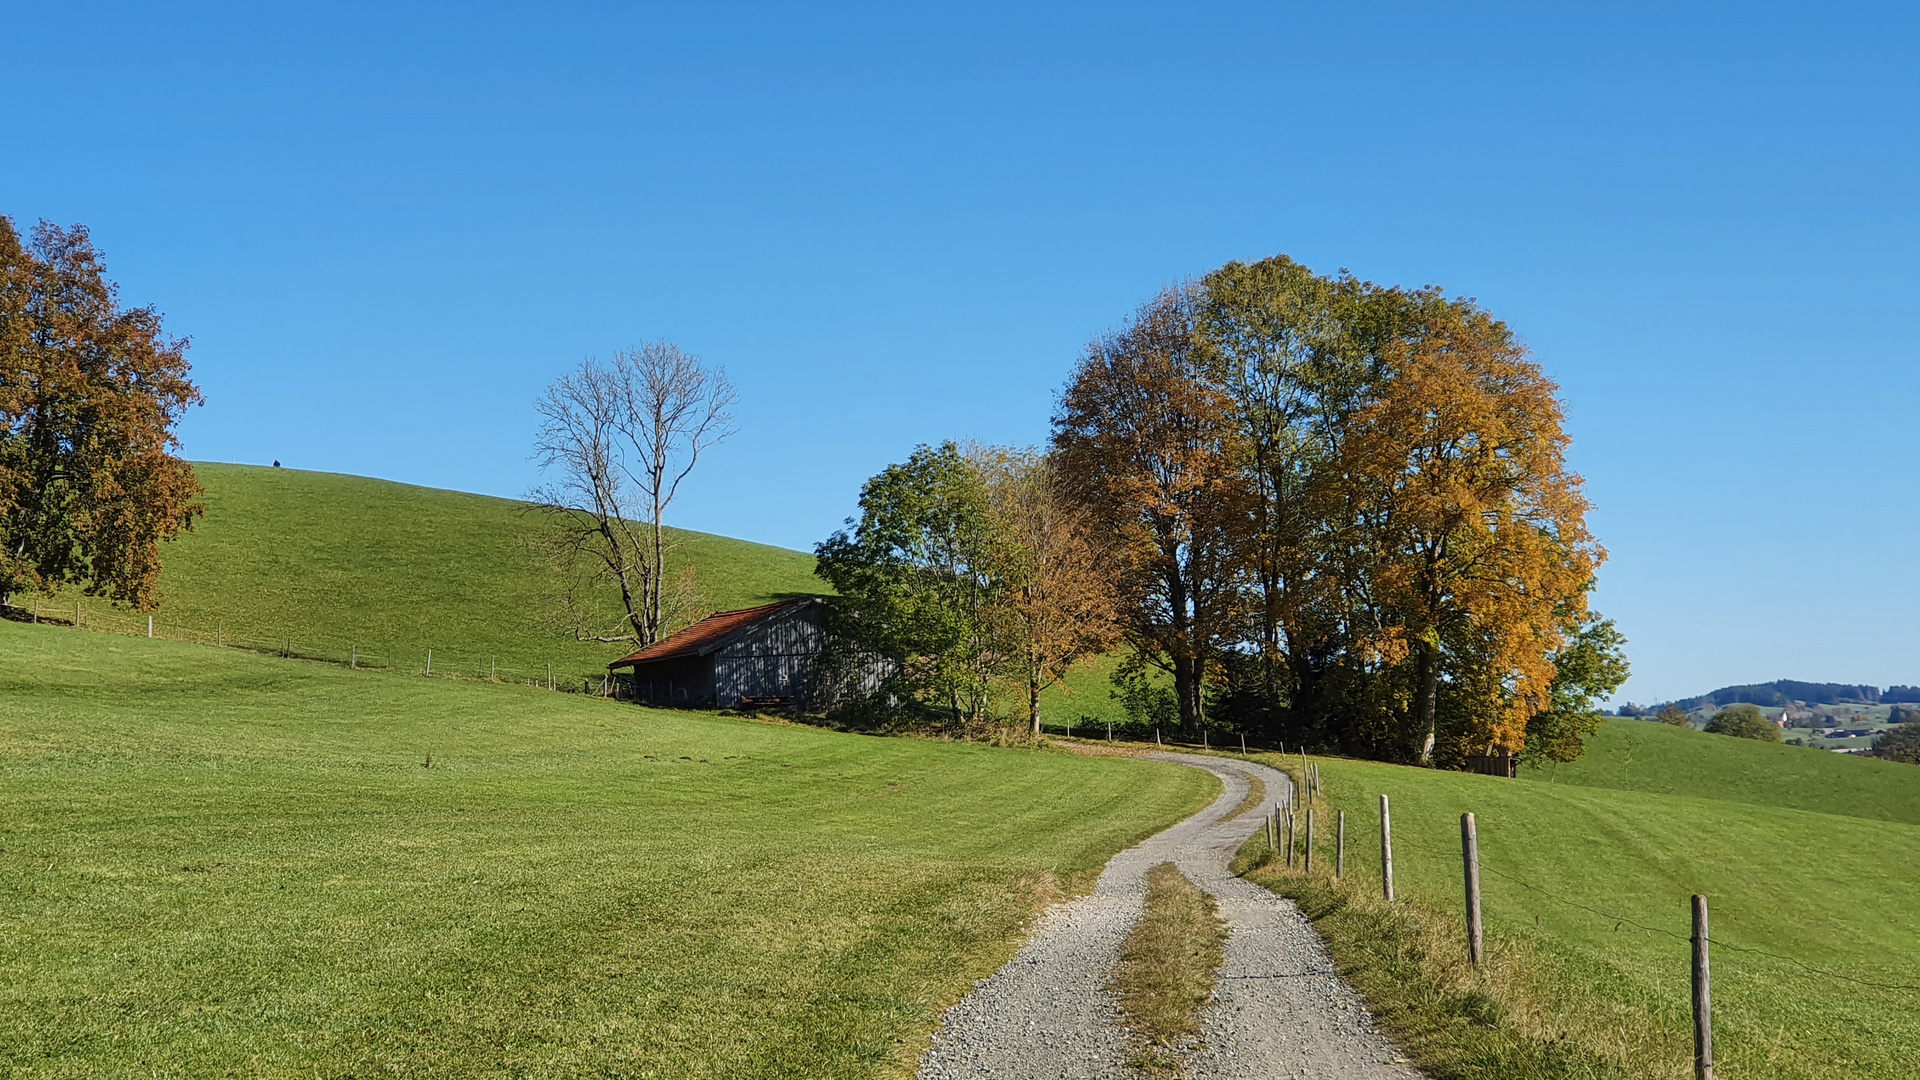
x=759, y=656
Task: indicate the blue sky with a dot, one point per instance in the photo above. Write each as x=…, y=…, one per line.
x=386, y=227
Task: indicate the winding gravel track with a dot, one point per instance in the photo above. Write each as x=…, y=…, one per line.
x=1279, y=1010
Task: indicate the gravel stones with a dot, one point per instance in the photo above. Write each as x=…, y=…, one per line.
x=1279, y=1009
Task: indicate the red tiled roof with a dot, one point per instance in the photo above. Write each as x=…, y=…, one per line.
x=709, y=631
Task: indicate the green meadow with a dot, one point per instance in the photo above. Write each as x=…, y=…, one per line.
x=217, y=863
x=1810, y=861
x=326, y=565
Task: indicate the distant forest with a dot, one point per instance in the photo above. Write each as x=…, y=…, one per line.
x=1787, y=691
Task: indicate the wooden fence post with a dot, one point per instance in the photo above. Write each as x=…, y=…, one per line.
x=1702, y=995
x=1386, y=850
x=353, y=656
x=1289, y=839
x=149, y=628
x=1243, y=744
x=219, y=633
x=1340, y=844
x=549, y=676
x=1470, y=856
x=429, y=661
x=1306, y=855
x=1273, y=832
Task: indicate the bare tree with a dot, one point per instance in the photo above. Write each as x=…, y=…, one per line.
x=617, y=439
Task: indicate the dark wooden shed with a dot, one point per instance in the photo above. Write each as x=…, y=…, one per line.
x=759, y=656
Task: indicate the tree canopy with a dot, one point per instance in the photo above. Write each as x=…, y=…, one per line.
x=90, y=393
x=1744, y=721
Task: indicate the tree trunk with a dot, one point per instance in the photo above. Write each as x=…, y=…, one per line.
x=1429, y=698
x=1187, y=674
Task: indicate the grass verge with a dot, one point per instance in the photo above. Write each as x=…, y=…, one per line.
x=1519, y=1015
x=1166, y=971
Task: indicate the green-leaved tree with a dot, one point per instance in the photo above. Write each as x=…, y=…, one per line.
x=1744, y=722
x=923, y=578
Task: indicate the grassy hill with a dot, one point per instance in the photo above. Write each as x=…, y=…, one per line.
x=1635, y=755
x=330, y=564
x=219, y=863
x=1807, y=857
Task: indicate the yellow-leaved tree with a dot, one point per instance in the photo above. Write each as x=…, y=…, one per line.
x=1472, y=528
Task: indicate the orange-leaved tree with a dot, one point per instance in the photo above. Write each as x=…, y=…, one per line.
x=90, y=393
x=1474, y=531
x=1147, y=436
x=1063, y=592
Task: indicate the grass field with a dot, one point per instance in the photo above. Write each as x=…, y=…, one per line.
x=217, y=863
x=332, y=563
x=1635, y=755
x=1804, y=855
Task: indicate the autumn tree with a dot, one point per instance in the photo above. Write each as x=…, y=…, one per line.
x=1145, y=434
x=617, y=440
x=1477, y=558
x=90, y=394
x=1062, y=591
x=923, y=578
x=1298, y=354
x=1673, y=716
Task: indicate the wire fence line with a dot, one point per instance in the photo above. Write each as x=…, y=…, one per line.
x=1625, y=920
x=1620, y=919
x=435, y=662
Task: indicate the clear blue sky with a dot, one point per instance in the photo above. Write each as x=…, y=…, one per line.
x=387, y=226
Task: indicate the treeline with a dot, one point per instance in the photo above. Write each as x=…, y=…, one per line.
x=1783, y=692
x=1311, y=508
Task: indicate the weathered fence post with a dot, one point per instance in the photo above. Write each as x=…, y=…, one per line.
x=1340, y=844
x=1386, y=850
x=76, y=614
x=219, y=633
x=1273, y=831
x=1470, y=857
x=549, y=676
x=1289, y=839
x=1156, y=734
x=1306, y=855
x=1243, y=744
x=429, y=661
x=1109, y=731
x=353, y=656
x=149, y=627
x=493, y=670
x=1702, y=995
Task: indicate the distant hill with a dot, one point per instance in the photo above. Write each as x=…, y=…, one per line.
x=1788, y=691
x=337, y=565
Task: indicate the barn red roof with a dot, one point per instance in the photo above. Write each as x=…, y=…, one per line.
x=707, y=633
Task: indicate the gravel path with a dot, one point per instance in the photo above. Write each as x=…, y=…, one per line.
x=1279, y=1011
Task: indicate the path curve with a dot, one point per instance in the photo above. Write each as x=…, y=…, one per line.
x=1279, y=1010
